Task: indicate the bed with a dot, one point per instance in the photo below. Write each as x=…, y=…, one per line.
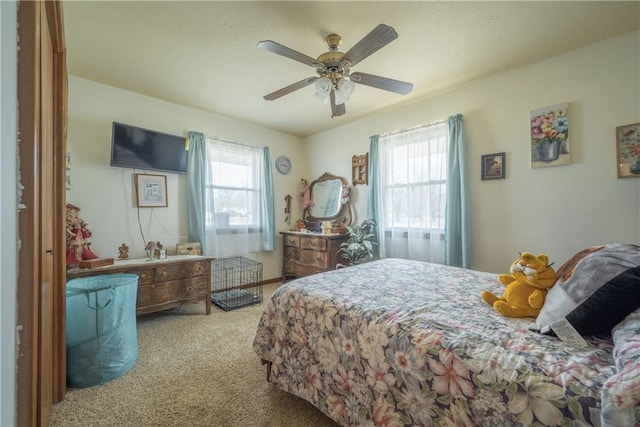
x=397, y=342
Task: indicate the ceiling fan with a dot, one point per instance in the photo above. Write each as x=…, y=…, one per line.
x=335, y=81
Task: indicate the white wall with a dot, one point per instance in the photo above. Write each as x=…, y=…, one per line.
x=8, y=212
x=556, y=210
x=105, y=194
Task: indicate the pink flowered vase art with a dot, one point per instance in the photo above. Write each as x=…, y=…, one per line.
x=549, y=133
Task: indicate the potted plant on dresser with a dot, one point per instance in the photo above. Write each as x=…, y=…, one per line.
x=359, y=247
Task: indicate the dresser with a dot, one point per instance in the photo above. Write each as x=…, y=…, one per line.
x=162, y=283
x=310, y=253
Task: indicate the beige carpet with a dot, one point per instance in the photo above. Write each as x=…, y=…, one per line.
x=192, y=370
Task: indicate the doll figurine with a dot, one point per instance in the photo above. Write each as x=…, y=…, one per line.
x=78, y=238
x=305, y=193
x=123, y=251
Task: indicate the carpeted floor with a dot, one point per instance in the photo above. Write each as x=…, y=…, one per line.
x=192, y=370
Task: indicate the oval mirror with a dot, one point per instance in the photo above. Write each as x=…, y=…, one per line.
x=327, y=202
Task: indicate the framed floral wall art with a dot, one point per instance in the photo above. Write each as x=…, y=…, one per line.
x=550, y=136
x=628, y=150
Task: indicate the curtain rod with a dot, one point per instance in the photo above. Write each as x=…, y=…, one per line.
x=439, y=122
x=233, y=142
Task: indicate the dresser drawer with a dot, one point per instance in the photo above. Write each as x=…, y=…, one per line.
x=309, y=257
x=181, y=271
x=145, y=275
x=293, y=241
x=315, y=243
x=305, y=257
x=290, y=253
x=300, y=270
x=157, y=294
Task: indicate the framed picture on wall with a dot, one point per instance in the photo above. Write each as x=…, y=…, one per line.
x=628, y=150
x=493, y=166
x=151, y=190
x=550, y=136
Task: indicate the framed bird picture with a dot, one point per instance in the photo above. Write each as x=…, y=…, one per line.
x=493, y=166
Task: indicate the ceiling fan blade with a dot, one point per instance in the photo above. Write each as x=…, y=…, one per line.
x=288, y=89
x=274, y=47
x=383, y=83
x=378, y=38
x=336, y=110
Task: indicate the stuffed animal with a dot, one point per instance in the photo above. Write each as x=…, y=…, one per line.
x=526, y=287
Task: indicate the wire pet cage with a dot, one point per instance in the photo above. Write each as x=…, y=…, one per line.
x=236, y=282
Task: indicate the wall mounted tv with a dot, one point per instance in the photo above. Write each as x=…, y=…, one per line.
x=137, y=148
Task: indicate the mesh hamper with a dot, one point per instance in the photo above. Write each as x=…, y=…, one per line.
x=236, y=282
x=102, y=341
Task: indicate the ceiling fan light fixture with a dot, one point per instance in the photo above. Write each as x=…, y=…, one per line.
x=323, y=89
x=335, y=82
x=344, y=89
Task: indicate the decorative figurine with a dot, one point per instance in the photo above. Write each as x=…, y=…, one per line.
x=78, y=238
x=151, y=250
x=287, y=209
x=161, y=252
x=123, y=251
x=305, y=194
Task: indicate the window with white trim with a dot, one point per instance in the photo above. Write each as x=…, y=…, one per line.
x=413, y=176
x=234, y=186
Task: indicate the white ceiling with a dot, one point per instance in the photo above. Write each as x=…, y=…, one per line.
x=203, y=54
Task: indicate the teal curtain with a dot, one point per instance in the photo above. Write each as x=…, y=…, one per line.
x=374, y=208
x=268, y=204
x=196, y=188
x=457, y=228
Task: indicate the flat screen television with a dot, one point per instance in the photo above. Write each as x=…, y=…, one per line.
x=138, y=148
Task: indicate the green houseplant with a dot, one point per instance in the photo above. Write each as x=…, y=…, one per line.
x=359, y=247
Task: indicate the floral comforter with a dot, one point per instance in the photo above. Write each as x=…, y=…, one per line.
x=398, y=342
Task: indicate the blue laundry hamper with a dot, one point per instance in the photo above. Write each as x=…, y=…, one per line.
x=102, y=341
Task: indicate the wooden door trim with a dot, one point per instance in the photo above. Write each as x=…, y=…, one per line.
x=28, y=256
x=55, y=14
x=30, y=248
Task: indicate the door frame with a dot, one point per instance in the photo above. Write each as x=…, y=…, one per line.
x=33, y=401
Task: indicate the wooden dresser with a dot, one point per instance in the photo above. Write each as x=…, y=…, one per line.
x=310, y=253
x=163, y=283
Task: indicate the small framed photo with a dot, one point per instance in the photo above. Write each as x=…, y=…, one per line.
x=493, y=166
x=151, y=190
x=628, y=150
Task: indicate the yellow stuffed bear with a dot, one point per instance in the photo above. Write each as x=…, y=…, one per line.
x=526, y=287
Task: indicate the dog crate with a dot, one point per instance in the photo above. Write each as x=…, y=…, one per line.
x=236, y=282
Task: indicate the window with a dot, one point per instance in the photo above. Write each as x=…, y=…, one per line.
x=413, y=188
x=234, y=187
x=234, y=219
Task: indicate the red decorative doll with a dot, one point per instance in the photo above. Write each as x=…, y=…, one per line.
x=78, y=238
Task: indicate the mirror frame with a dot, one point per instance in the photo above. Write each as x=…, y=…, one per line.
x=343, y=217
